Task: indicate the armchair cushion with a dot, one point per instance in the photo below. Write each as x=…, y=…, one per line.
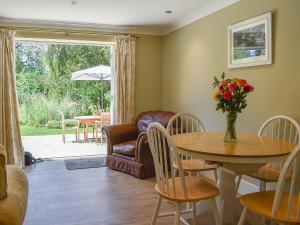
x=125, y=148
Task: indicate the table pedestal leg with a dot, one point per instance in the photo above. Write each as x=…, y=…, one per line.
x=228, y=198
x=231, y=206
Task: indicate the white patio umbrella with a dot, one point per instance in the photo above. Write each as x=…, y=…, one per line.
x=99, y=73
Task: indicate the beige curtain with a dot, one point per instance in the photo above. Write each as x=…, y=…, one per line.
x=123, y=104
x=10, y=135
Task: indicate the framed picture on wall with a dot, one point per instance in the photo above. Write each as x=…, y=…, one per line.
x=250, y=42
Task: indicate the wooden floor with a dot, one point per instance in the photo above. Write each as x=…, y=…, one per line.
x=92, y=197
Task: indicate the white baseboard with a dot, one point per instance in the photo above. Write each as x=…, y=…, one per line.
x=247, y=187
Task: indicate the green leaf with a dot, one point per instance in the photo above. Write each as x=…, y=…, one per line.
x=216, y=82
x=223, y=75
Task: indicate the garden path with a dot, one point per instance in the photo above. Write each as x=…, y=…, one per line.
x=51, y=146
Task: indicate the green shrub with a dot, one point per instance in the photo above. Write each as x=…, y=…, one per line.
x=38, y=110
x=53, y=124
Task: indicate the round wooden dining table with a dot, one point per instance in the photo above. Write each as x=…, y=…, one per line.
x=247, y=155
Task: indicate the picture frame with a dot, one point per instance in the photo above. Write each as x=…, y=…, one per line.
x=250, y=42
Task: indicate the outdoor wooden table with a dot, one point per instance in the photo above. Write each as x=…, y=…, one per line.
x=86, y=120
x=247, y=155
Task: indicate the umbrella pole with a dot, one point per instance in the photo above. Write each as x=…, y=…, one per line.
x=100, y=102
x=101, y=95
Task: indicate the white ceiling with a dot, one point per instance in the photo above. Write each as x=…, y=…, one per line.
x=115, y=13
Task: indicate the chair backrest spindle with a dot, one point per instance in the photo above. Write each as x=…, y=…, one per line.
x=293, y=208
x=188, y=123
x=164, y=152
x=281, y=127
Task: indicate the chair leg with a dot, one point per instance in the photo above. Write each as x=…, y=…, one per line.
x=101, y=137
x=237, y=185
x=175, y=172
x=156, y=210
x=243, y=217
x=262, y=186
x=216, y=175
x=63, y=138
x=177, y=214
x=78, y=135
x=93, y=130
x=194, y=213
x=96, y=135
x=215, y=211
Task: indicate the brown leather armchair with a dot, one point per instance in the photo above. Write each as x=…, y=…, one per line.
x=127, y=145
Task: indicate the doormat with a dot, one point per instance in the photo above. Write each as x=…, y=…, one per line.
x=85, y=163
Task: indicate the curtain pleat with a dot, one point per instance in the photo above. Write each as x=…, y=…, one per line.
x=10, y=135
x=124, y=79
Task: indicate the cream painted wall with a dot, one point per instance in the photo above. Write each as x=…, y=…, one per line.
x=194, y=54
x=148, y=86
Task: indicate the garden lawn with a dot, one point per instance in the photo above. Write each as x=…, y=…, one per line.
x=39, y=131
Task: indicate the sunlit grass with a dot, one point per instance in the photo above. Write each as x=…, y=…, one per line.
x=39, y=131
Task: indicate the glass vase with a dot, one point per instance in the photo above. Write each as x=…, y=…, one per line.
x=230, y=135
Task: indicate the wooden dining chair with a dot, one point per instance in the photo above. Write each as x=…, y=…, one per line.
x=188, y=123
x=178, y=189
x=105, y=120
x=65, y=128
x=279, y=127
x=280, y=206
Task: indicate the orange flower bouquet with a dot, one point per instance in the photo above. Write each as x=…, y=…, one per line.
x=231, y=99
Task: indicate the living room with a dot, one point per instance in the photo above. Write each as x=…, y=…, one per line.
x=201, y=68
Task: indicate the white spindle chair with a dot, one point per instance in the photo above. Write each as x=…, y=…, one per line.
x=279, y=127
x=188, y=123
x=178, y=189
x=280, y=206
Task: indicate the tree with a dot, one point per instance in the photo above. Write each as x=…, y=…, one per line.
x=63, y=60
x=44, y=78
x=29, y=57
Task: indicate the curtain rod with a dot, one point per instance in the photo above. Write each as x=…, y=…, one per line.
x=65, y=31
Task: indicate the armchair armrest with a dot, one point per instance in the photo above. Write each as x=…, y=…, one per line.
x=119, y=133
x=3, y=174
